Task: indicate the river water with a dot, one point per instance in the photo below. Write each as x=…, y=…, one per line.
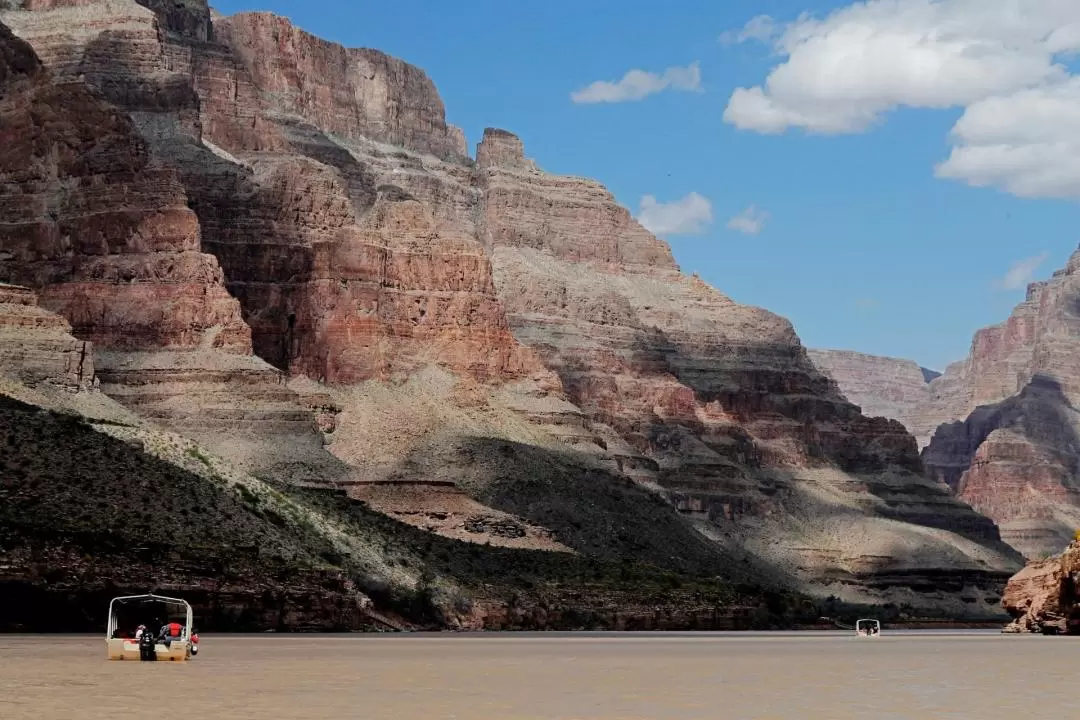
x=734, y=676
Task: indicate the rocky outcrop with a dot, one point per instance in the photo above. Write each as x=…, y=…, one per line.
x=36, y=345
x=880, y=386
x=1006, y=436
x=350, y=93
x=1044, y=596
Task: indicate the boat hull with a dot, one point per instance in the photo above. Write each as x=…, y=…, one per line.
x=127, y=649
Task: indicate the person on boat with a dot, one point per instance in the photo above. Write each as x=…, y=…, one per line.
x=147, y=647
x=170, y=632
x=139, y=632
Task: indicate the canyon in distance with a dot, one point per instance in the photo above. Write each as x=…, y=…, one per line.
x=275, y=339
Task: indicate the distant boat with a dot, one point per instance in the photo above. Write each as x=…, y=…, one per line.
x=867, y=628
x=135, y=629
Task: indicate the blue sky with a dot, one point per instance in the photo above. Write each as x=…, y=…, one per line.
x=862, y=246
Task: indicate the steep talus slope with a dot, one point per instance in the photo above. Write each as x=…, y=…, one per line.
x=575, y=368
x=1006, y=423
x=880, y=386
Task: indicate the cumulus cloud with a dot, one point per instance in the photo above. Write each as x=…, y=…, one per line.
x=690, y=215
x=1022, y=272
x=1025, y=143
x=999, y=60
x=750, y=221
x=638, y=85
x=843, y=71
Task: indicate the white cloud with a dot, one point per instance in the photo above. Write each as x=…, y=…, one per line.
x=750, y=221
x=1022, y=272
x=691, y=215
x=761, y=28
x=1025, y=143
x=1000, y=60
x=638, y=84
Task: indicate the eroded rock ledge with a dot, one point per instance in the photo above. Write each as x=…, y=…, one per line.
x=1044, y=597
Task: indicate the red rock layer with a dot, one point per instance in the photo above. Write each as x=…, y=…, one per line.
x=101, y=232
x=353, y=93
x=348, y=262
x=102, y=229
x=1017, y=461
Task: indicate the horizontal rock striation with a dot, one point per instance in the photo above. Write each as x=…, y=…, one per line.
x=880, y=386
x=1017, y=461
x=102, y=231
x=351, y=93
x=1006, y=421
x=36, y=345
x=719, y=400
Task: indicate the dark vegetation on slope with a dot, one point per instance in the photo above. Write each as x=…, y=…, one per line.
x=84, y=517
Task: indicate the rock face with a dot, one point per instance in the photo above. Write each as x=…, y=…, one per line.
x=36, y=345
x=581, y=383
x=718, y=403
x=1006, y=421
x=355, y=93
x=1017, y=461
x=880, y=386
x=1044, y=596
x=103, y=232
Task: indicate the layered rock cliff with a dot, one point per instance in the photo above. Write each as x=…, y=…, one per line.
x=718, y=403
x=36, y=345
x=486, y=326
x=101, y=229
x=880, y=386
x=1006, y=423
x=1044, y=597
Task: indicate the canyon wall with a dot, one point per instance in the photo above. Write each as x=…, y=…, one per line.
x=571, y=377
x=1006, y=420
x=717, y=403
x=880, y=386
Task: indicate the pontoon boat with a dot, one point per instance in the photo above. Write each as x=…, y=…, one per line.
x=867, y=628
x=146, y=620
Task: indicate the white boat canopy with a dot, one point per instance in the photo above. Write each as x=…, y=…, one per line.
x=175, y=606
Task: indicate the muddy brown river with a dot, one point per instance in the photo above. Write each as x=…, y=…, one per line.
x=830, y=676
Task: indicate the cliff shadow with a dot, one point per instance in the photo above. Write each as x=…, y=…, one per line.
x=597, y=512
x=85, y=516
